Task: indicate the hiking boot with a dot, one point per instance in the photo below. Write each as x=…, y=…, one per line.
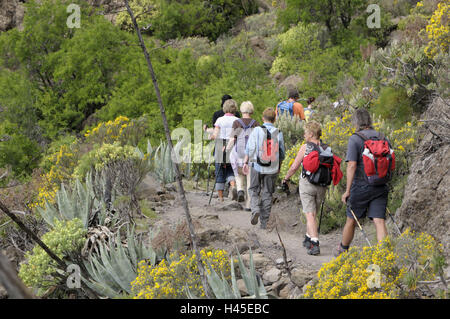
x=234, y=193
x=241, y=196
x=307, y=242
x=339, y=250
x=314, y=248
x=255, y=217
x=247, y=209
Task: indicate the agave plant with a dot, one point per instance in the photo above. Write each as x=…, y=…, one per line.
x=222, y=290
x=80, y=203
x=112, y=270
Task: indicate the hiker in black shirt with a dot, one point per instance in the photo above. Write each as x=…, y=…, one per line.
x=220, y=113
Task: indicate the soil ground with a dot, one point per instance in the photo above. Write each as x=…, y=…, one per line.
x=286, y=214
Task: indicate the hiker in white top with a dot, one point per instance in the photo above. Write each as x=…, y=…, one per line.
x=242, y=129
x=222, y=131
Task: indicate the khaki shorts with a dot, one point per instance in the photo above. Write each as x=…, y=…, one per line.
x=311, y=195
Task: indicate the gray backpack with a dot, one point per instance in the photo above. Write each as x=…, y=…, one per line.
x=242, y=139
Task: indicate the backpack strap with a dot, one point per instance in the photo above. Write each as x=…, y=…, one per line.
x=364, y=138
x=269, y=136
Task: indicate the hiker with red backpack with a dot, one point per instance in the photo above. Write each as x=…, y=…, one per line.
x=242, y=128
x=320, y=168
x=291, y=106
x=370, y=163
x=264, y=154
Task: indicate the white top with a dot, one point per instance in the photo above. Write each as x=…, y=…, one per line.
x=225, y=123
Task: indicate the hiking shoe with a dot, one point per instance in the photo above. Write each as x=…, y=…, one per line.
x=255, y=217
x=241, y=196
x=314, y=249
x=338, y=250
x=247, y=209
x=234, y=193
x=307, y=242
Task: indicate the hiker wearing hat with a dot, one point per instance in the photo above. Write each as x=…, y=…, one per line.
x=264, y=154
x=320, y=168
x=242, y=129
x=222, y=131
x=291, y=106
x=220, y=112
x=370, y=162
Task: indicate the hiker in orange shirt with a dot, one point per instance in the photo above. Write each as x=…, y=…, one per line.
x=291, y=106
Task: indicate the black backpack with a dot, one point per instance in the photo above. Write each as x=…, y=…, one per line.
x=322, y=176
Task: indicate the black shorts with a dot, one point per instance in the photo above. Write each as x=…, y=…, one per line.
x=367, y=199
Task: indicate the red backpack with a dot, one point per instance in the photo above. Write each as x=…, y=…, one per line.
x=378, y=159
x=269, y=152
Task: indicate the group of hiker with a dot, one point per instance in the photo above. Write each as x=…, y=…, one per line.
x=248, y=157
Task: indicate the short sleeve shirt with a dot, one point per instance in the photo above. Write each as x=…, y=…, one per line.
x=225, y=123
x=354, y=154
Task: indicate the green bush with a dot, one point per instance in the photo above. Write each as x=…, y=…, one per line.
x=101, y=157
x=175, y=19
x=394, y=106
x=40, y=271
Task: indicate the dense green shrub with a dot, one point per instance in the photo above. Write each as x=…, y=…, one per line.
x=40, y=271
x=99, y=158
x=393, y=105
x=180, y=18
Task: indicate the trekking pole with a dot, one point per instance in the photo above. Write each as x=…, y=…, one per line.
x=320, y=218
x=207, y=181
x=212, y=190
x=359, y=225
x=393, y=220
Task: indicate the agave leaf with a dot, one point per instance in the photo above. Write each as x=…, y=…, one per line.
x=245, y=275
x=112, y=268
x=236, y=291
x=220, y=286
x=132, y=248
x=46, y=213
x=101, y=288
x=124, y=263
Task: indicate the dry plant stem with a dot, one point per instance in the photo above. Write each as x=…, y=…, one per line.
x=169, y=141
x=13, y=285
x=49, y=252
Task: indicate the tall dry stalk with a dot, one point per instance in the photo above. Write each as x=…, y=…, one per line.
x=169, y=141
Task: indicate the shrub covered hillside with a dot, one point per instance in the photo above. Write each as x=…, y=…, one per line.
x=80, y=129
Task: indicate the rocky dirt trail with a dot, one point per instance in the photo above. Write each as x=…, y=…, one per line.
x=226, y=225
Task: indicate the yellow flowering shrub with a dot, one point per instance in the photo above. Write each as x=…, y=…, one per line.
x=170, y=278
x=421, y=255
x=62, y=163
x=438, y=30
x=122, y=130
x=404, y=141
x=291, y=154
x=400, y=261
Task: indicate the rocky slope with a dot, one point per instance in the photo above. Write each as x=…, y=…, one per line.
x=426, y=203
x=12, y=11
